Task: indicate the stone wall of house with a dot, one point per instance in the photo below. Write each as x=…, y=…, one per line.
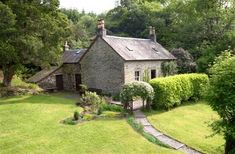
x=102, y=68
x=50, y=81
x=131, y=66
x=68, y=71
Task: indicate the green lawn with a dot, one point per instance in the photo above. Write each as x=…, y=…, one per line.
x=189, y=124
x=31, y=124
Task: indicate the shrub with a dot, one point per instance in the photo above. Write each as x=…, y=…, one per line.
x=91, y=99
x=169, y=68
x=116, y=97
x=172, y=91
x=222, y=97
x=111, y=107
x=184, y=61
x=83, y=88
x=76, y=115
x=136, y=89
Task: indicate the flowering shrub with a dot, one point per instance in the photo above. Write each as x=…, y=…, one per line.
x=136, y=89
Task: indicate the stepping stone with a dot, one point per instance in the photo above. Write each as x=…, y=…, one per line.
x=152, y=131
x=188, y=150
x=172, y=143
x=142, y=121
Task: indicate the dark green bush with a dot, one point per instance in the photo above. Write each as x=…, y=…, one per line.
x=111, y=107
x=76, y=115
x=173, y=90
x=116, y=97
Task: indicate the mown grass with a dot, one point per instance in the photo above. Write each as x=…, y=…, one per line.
x=31, y=124
x=190, y=124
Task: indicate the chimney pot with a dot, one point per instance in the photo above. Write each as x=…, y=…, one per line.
x=101, y=31
x=152, y=34
x=66, y=46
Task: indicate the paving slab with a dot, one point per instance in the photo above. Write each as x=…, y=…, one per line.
x=143, y=121
x=171, y=142
x=188, y=150
x=152, y=131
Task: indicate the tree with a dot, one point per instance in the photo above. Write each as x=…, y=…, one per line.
x=82, y=28
x=39, y=31
x=184, y=61
x=169, y=68
x=222, y=97
x=7, y=51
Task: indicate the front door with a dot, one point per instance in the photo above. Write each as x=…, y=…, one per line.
x=78, y=81
x=59, y=82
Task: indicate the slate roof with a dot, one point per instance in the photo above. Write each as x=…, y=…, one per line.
x=72, y=56
x=138, y=49
x=42, y=74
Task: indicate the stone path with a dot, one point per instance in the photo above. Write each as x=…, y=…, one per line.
x=148, y=128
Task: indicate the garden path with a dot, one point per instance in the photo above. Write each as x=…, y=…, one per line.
x=173, y=143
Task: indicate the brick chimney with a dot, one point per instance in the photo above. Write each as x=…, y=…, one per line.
x=152, y=34
x=66, y=46
x=101, y=31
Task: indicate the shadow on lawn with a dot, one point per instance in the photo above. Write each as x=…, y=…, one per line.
x=56, y=98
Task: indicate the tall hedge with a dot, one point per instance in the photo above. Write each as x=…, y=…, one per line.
x=173, y=90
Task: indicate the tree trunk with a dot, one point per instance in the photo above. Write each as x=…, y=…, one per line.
x=143, y=103
x=230, y=144
x=8, y=73
x=148, y=105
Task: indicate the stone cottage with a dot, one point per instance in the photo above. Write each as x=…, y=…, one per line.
x=64, y=77
x=109, y=62
x=112, y=61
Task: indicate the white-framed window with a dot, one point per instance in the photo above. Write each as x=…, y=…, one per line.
x=137, y=75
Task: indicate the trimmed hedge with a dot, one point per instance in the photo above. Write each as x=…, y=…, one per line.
x=173, y=90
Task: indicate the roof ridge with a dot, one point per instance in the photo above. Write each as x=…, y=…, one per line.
x=132, y=38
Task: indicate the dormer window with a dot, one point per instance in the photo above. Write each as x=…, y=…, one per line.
x=154, y=49
x=128, y=48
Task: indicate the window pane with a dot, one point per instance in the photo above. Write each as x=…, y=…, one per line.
x=153, y=74
x=137, y=75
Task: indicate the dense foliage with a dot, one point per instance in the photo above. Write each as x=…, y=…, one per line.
x=222, y=96
x=185, y=62
x=31, y=32
x=169, y=68
x=136, y=89
x=202, y=27
x=82, y=26
x=173, y=90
